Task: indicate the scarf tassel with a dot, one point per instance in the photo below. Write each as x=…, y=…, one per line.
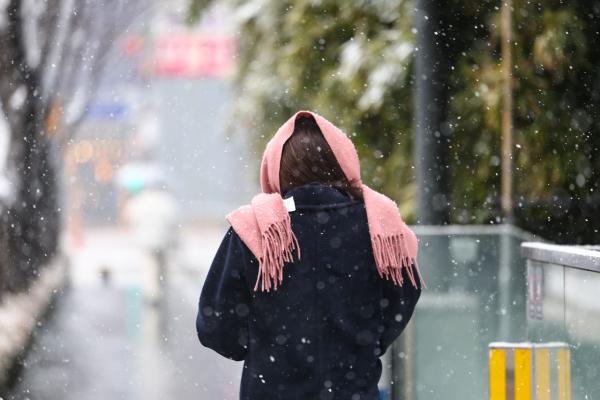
x=278, y=243
x=391, y=255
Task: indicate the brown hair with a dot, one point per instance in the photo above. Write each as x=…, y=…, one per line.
x=306, y=157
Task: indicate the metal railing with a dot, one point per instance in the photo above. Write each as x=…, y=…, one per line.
x=563, y=305
x=475, y=295
x=579, y=257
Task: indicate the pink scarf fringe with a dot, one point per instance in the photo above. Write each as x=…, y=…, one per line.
x=391, y=255
x=278, y=242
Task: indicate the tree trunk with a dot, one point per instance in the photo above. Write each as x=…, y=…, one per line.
x=30, y=223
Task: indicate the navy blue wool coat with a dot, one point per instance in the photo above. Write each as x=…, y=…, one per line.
x=321, y=333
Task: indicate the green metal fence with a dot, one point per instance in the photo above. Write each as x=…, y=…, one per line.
x=476, y=295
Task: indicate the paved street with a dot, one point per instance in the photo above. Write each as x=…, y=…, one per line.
x=103, y=341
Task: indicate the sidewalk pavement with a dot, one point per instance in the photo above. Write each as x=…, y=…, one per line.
x=101, y=341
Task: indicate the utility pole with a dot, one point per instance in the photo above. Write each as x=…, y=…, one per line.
x=433, y=58
x=432, y=67
x=506, y=197
x=506, y=200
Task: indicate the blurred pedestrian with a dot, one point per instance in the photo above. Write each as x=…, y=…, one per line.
x=315, y=278
x=151, y=214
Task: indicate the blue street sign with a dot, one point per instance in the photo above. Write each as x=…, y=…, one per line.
x=112, y=111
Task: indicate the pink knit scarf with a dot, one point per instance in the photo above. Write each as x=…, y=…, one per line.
x=265, y=226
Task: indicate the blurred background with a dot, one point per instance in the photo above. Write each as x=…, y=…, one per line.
x=129, y=128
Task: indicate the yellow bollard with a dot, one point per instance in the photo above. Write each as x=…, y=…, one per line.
x=497, y=374
x=563, y=359
x=542, y=374
x=523, y=371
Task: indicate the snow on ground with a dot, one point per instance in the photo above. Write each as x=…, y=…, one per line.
x=20, y=312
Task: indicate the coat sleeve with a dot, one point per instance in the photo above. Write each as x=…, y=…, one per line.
x=399, y=305
x=222, y=321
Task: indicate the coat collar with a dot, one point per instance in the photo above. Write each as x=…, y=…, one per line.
x=316, y=195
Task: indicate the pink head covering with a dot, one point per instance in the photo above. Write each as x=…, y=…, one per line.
x=265, y=225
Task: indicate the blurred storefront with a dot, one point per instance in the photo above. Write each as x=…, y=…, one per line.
x=165, y=103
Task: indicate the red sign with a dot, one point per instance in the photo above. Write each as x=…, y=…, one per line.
x=194, y=55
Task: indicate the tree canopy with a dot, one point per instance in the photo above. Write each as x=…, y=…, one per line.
x=353, y=63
